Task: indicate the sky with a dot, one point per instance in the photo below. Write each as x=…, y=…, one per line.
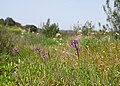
x=64, y=12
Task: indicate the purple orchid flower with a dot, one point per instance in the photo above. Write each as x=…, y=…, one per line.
x=15, y=51
x=44, y=55
x=79, y=49
x=76, y=41
x=74, y=45
x=39, y=50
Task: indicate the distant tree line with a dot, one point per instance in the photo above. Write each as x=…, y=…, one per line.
x=48, y=29
x=10, y=22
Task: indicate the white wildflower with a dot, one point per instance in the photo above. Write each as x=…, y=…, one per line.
x=54, y=39
x=57, y=41
x=33, y=32
x=117, y=33
x=60, y=43
x=79, y=31
x=22, y=33
x=37, y=33
x=58, y=35
x=60, y=39
x=107, y=30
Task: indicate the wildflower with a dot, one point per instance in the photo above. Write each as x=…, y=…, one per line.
x=79, y=31
x=107, y=30
x=44, y=55
x=58, y=35
x=56, y=49
x=22, y=33
x=78, y=48
x=15, y=51
x=18, y=60
x=39, y=50
x=60, y=39
x=76, y=41
x=92, y=33
x=74, y=45
x=103, y=51
x=33, y=32
x=37, y=33
x=54, y=39
x=60, y=43
x=57, y=41
x=63, y=51
x=117, y=33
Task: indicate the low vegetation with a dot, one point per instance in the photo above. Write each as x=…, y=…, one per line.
x=31, y=56
x=36, y=60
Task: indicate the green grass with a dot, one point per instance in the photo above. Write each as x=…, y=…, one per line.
x=99, y=63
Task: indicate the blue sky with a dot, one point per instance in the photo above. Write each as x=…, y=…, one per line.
x=65, y=12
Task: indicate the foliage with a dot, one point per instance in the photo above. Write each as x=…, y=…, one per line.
x=36, y=60
x=94, y=67
x=6, y=40
x=77, y=28
x=113, y=16
x=31, y=28
x=9, y=22
x=15, y=29
x=1, y=21
x=90, y=43
x=27, y=39
x=50, y=30
x=86, y=29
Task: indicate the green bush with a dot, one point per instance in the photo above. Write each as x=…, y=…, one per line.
x=92, y=44
x=50, y=30
x=113, y=16
x=31, y=28
x=6, y=40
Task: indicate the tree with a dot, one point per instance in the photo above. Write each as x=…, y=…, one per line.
x=113, y=16
x=1, y=21
x=9, y=22
x=50, y=30
x=77, y=28
x=88, y=28
x=31, y=28
x=18, y=24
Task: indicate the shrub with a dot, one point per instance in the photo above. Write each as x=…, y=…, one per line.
x=6, y=40
x=113, y=16
x=85, y=29
x=9, y=22
x=31, y=28
x=1, y=21
x=50, y=30
x=92, y=44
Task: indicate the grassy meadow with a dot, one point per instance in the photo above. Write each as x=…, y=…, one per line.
x=35, y=60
